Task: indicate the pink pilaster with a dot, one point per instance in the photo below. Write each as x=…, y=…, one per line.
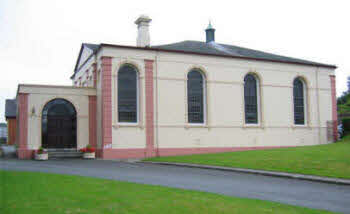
x=334, y=108
x=150, y=150
x=92, y=121
x=106, y=104
x=23, y=151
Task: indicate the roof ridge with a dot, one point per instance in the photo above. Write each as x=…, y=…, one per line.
x=234, y=50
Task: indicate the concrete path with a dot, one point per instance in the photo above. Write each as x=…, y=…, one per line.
x=311, y=194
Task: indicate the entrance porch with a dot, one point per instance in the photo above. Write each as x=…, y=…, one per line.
x=58, y=118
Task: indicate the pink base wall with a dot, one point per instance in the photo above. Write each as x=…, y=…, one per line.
x=25, y=153
x=123, y=153
x=143, y=153
x=189, y=151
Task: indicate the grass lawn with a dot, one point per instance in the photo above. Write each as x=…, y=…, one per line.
x=31, y=192
x=331, y=160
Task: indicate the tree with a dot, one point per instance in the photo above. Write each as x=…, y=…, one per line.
x=343, y=101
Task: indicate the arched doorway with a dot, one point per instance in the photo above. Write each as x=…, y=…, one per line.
x=59, y=124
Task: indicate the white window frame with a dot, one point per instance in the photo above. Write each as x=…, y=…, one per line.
x=137, y=98
x=204, y=98
x=304, y=102
x=258, y=100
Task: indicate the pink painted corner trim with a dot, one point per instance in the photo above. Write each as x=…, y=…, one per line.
x=92, y=121
x=334, y=108
x=106, y=65
x=149, y=86
x=23, y=126
x=99, y=153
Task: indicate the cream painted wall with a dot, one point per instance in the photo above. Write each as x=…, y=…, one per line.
x=225, y=102
x=40, y=95
x=128, y=135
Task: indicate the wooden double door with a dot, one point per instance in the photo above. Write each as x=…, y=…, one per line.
x=59, y=127
x=61, y=132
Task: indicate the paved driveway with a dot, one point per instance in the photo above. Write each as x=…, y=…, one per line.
x=289, y=191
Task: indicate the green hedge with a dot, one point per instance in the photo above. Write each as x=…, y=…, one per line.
x=3, y=140
x=346, y=125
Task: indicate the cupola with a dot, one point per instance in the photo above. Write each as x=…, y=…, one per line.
x=210, y=33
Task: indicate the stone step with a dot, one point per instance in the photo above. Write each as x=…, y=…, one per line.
x=65, y=154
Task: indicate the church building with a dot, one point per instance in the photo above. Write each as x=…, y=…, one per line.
x=188, y=97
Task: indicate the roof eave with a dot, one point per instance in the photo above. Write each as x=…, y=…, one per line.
x=218, y=55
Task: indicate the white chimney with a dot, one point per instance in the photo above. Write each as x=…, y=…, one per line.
x=143, y=38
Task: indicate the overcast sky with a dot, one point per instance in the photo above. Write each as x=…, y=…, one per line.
x=40, y=40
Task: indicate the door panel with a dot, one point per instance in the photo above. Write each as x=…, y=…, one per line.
x=60, y=132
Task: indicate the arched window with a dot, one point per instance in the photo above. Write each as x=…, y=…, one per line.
x=195, y=96
x=127, y=94
x=251, y=99
x=299, y=101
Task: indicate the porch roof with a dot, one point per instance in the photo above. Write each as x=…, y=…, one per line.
x=55, y=89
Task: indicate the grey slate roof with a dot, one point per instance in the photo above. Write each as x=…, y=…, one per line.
x=93, y=47
x=10, y=108
x=231, y=50
x=211, y=48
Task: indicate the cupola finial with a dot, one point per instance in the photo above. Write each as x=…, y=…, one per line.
x=209, y=26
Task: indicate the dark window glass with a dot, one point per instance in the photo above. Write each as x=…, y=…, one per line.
x=250, y=99
x=195, y=97
x=298, y=95
x=127, y=94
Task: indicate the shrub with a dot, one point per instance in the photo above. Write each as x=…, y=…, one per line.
x=3, y=140
x=87, y=149
x=90, y=150
x=346, y=125
x=41, y=150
